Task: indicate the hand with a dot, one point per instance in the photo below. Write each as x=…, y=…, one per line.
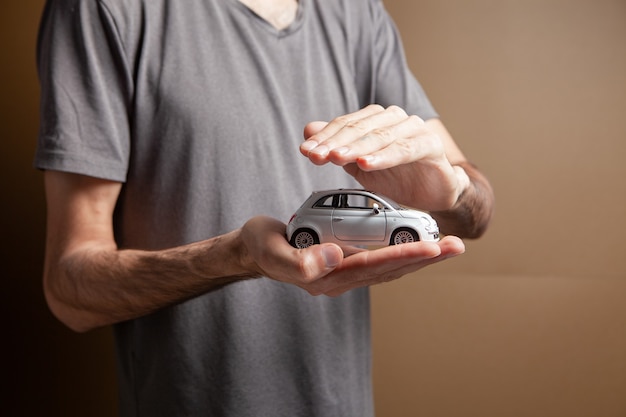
x=389, y=151
x=324, y=269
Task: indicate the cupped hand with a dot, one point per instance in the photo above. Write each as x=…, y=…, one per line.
x=389, y=151
x=326, y=268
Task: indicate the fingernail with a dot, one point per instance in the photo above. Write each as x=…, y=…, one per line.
x=331, y=256
x=341, y=151
x=308, y=145
x=367, y=160
x=321, y=150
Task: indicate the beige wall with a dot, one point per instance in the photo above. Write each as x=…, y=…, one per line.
x=529, y=322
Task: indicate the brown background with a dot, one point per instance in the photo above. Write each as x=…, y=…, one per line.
x=531, y=321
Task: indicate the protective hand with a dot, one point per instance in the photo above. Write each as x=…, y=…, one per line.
x=388, y=151
x=326, y=268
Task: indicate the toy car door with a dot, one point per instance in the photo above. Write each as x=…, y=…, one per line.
x=357, y=219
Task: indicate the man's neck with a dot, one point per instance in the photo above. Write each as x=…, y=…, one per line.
x=279, y=13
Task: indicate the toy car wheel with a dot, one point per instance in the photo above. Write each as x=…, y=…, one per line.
x=403, y=235
x=303, y=238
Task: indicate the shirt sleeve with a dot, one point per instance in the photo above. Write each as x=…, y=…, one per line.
x=393, y=81
x=86, y=92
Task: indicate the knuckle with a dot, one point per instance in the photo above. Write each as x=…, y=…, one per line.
x=308, y=272
x=314, y=291
x=383, y=135
x=405, y=151
x=416, y=121
x=375, y=107
x=342, y=120
x=334, y=293
x=359, y=126
x=396, y=111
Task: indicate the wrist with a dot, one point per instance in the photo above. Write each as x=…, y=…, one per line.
x=242, y=258
x=474, y=207
x=217, y=261
x=463, y=184
x=233, y=257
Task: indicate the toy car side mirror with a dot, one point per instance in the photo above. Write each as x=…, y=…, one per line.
x=376, y=208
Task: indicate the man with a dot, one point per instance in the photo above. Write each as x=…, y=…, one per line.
x=170, y=136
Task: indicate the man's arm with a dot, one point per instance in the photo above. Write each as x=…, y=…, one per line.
x=414, y=162
x=474, y=206
x=471, y=214
x=89, y=282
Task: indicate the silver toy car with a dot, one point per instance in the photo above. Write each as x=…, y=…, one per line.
x=358, y=218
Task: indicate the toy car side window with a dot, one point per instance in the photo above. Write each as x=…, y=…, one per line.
x=355, y=201
x=326, y=202
x=343, y=201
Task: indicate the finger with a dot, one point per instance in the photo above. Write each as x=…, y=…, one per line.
x=312, y=128
x=345, y=131
x=452, y=246
x=268, y=249
x=377, y=261
x=449, y=246
x=340, y=122
x=342, y=128
x=318, y=261
x=424, y=146
x=401, y=138
x=304, y=266
x=411, y=258
x=368, y=265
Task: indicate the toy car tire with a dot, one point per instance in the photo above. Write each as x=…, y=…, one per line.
x=303, y=238
x=403, y=235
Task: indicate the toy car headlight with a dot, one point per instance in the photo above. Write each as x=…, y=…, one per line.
x=426, y=221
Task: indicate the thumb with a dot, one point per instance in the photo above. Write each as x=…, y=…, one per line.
x=320, y=260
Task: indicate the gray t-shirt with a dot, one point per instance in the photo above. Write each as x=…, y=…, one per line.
x=198, y=107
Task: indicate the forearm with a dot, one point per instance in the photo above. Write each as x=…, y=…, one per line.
x=471, y=214
x=95, y=286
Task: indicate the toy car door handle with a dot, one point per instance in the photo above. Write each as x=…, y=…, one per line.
x=337, y=219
